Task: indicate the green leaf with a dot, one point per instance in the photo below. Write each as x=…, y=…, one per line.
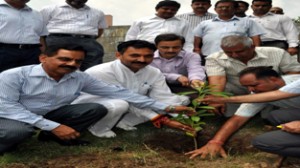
x=206, y=107
x=198, y=129
x=206, y=114
x=189, y=134
x=195, y=118
x=186, y=93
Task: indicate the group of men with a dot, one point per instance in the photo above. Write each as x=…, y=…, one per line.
x=160, y=54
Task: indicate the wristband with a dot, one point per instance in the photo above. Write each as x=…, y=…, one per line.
x=159, y=120
x=216, y=142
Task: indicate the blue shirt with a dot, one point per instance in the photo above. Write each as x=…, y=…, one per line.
x=20, y=26
x=212, y=31
x=27, y=93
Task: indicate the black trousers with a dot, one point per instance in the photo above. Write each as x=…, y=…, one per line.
x=77, y=116
x=15, y=57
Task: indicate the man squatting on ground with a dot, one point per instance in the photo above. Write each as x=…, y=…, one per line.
x=39, y=96
x=285, y=142
x=132, y=71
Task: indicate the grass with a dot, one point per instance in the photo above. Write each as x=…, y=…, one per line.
x=147, y=147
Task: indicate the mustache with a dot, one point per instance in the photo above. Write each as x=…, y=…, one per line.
x=68, y=67
x=137, y=62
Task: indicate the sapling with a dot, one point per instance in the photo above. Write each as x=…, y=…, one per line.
x=201, y=109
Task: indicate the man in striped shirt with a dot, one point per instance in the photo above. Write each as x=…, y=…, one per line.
x=75, y=21
x=21, y=34
x=199, y=13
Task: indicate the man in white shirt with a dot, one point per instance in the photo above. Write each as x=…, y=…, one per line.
x=131, y=71
x=284, y=142
x=74, y=21
x=164, y=21
x=280, y=29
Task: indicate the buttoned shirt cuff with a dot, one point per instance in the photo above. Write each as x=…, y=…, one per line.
x=172, y=78
x=293, y=45
x=159, y=106
x=46, y=125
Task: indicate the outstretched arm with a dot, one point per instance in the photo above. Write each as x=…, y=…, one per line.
x=254, y=98
x=215, y=146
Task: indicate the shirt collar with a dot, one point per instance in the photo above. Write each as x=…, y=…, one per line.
x=38, y=71
x=66, y=5
x=172, y=18
x=180, y=54
x=257, y=55
x=2, y=2
x=233, y=18
x=269, y=13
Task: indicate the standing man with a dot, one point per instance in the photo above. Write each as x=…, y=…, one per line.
x=280, y=30
x=21, y=34
x=39, y=96
x=76, y=22
x=285, y=142
x=241, y=9
x=182, y=69
x=276, y=10
x=239, y=53
x=199, y=13
x=131, y=71
x=164, y=21
x=208, y=34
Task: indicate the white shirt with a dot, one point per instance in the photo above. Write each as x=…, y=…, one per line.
x=20, y=26
x=219, y=64
x=148, y=81
x=66, y=19
x=278, y=27
x=250, y=109
x=148, y=28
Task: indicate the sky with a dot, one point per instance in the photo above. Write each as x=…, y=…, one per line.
x=124, y=12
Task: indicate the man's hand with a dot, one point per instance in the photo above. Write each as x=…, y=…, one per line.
x=180, y=109
x=65, y=133
x=178, y=125
x=292, y=127
x=196, y=83
x=292, y=50
x=220, y=108
x=210, y=149
x=183, y=80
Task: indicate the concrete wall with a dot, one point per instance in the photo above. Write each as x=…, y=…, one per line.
x=110, y=39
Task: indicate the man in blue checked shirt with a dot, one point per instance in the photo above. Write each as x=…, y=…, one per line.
x=39, y=96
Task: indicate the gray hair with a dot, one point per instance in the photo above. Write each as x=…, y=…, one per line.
x=234, y=40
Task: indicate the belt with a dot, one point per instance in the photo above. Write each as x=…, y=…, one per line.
x=72, y=35
x=20, y=46
x=274, y=41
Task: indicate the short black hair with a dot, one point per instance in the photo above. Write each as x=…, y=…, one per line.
x=122, y=47
x=243, y=2
x=169, y=37
x=52, y=49
x=260, y=72
x=235, y=4
x=270, y=1
x=167, y=3
x=201, y=1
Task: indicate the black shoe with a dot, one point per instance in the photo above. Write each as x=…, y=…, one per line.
x=47, y=136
